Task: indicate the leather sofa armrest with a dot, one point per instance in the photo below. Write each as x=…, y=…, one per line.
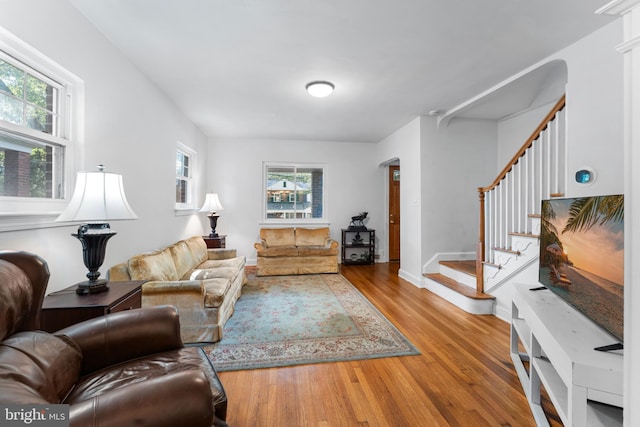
x=262, y=244
x=126, y=335
x=153, y=401
x=331, y=243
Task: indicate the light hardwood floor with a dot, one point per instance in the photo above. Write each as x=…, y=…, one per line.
x=464, y=376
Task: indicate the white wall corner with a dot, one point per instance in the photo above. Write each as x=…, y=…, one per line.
x=411, y=278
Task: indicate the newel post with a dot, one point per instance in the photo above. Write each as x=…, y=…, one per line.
x=480, y=246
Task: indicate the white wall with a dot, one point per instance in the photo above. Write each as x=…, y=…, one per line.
x=456, y=160
x=404, y=145
x=514, y=132
x=595, y=111
x=353, y=183
x=131, y=128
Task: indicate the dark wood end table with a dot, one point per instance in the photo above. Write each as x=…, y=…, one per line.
x=215, y=242
x=64, y=308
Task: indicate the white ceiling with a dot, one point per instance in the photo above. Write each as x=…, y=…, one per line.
x=238, y=68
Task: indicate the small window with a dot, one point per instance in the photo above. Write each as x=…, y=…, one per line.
x=294, y=192
x=185, y=161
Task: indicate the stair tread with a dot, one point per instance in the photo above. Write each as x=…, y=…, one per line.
x=464, y=266
x=457, y=286
x=513, y=233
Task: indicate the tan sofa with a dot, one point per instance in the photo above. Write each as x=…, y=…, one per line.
x=203, y=284
x=283, y=251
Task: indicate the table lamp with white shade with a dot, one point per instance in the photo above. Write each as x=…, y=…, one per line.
x=212, y=205
x=98, y=197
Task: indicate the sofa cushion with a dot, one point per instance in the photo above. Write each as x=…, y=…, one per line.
x=316, y=251
x=278, y=236
x=170, y=287
x=210, y=273
x=278, y=251
x=183, y=258
x=312, y=236
x=216, y=268
x=135, y=371
x=155, y=266
x=40, y=366
x=215, y=291
x=237, y=262
x=198, y=249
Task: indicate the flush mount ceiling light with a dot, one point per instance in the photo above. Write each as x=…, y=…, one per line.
x=320, y=88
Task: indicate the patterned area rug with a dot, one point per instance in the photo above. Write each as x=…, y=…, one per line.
x=294, y=320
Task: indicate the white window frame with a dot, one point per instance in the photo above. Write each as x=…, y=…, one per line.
x=191, y=204
x=295, y=221
x=26, y=213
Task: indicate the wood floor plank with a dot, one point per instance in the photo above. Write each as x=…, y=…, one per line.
x=354, y=392
x=463, y=377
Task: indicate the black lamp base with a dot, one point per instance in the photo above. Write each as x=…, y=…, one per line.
x=213, y=222
x=94, y=239
x=88, y=287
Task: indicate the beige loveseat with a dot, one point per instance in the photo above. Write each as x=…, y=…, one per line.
x=283, y=251
x=203, y=284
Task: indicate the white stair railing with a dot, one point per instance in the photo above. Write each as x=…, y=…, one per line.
x=535, y=173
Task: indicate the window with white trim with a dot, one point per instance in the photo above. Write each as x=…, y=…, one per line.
x=185, y=164
x=294, y=192
x=40, y=117
x=31, y=154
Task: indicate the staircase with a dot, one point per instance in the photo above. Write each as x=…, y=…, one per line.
x=456, y=282
x=509, y=221
x=523, y=250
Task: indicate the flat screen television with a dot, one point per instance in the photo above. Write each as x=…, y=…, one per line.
x=582, y=256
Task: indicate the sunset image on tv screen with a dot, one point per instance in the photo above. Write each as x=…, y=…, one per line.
x=582, y=256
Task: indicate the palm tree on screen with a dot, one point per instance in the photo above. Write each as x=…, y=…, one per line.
x=585, y=212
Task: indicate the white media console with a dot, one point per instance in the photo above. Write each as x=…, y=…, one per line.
x=584, y=385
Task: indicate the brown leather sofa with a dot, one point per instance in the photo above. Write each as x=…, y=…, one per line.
x=123, y=369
